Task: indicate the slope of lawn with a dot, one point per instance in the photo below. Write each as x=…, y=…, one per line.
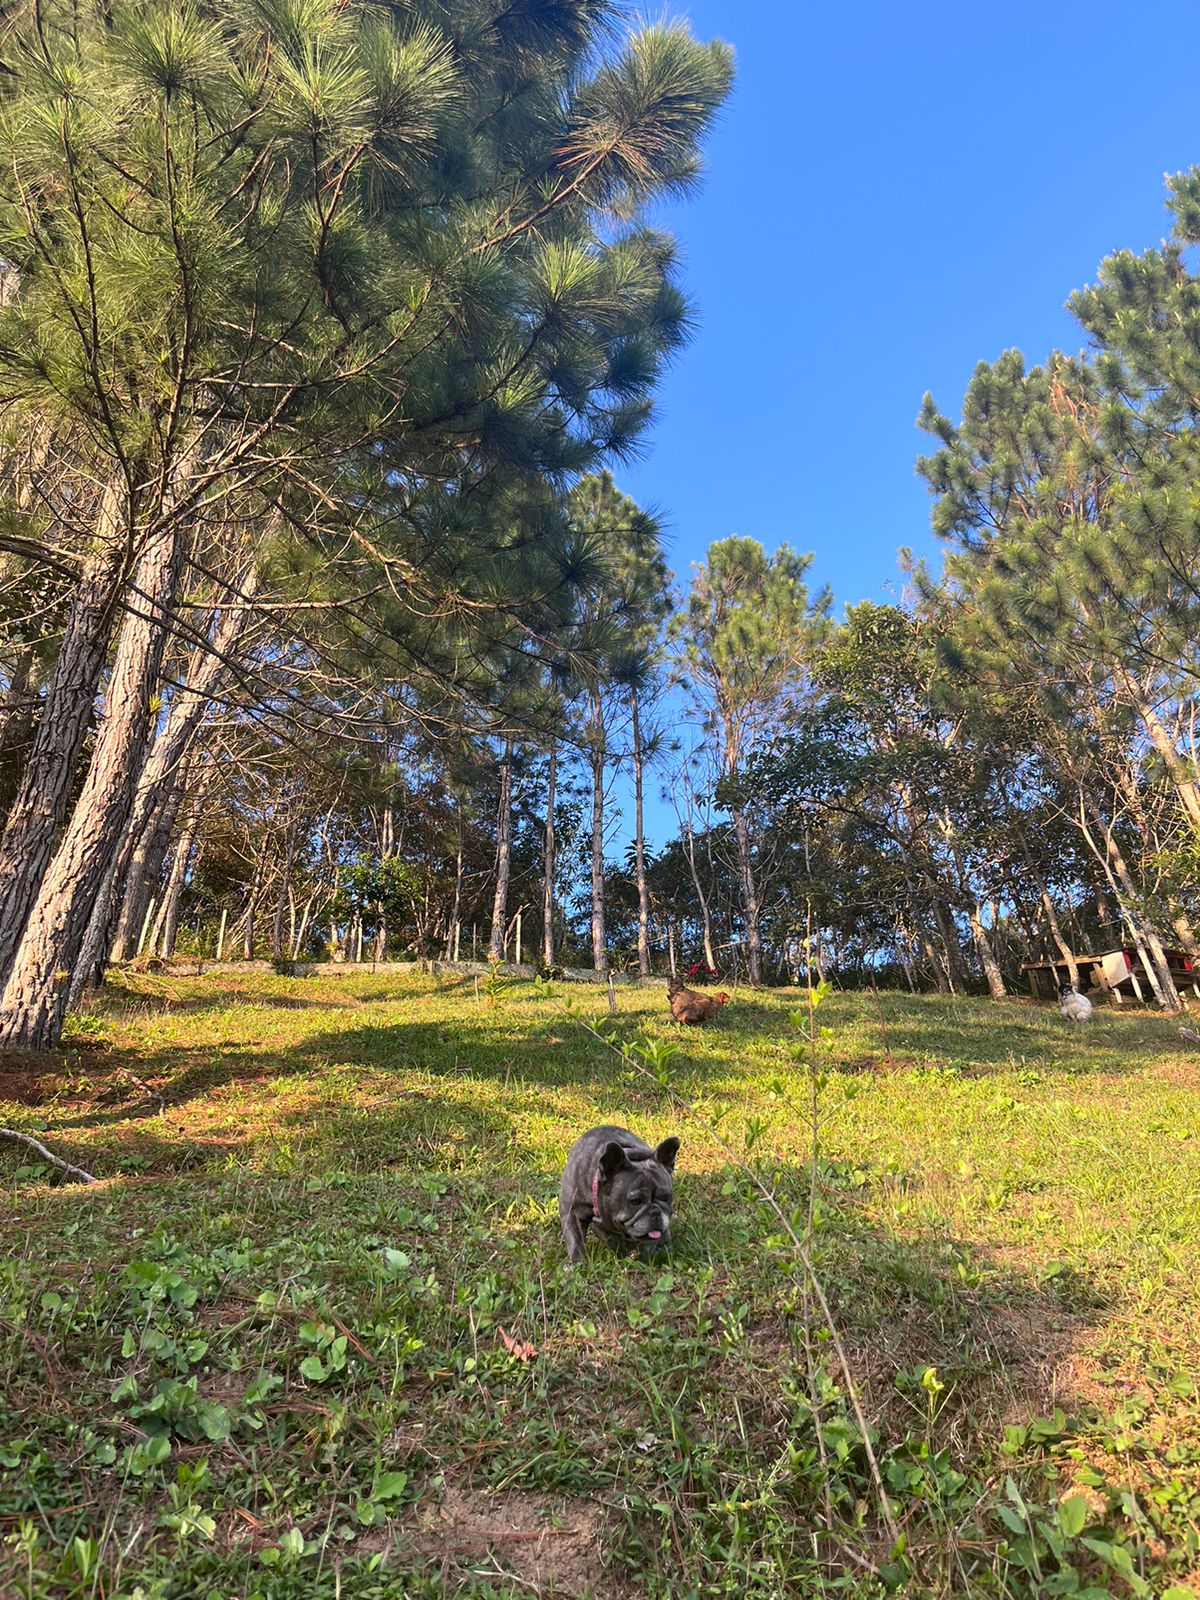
x=312, y=1334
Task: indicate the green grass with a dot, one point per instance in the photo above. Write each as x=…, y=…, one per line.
x=279, y=1352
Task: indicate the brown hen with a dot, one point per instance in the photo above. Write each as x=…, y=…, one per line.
x=688, y=1006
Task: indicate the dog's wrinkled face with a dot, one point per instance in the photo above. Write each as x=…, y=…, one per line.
x=634, y=1197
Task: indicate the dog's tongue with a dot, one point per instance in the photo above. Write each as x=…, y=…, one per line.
x=654, y=1234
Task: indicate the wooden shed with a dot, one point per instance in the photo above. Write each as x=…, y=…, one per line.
x=1111, y=972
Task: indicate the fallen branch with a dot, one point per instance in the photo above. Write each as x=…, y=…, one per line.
x=48, y=1155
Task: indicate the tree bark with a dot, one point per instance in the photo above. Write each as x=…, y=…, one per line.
x=1181, y=922
x=1146, y=942
x=17, y=720
x=639, y=844
x=36, y=992
x=281, y=901
x=987, y=955
x=599, y=933
x=1183, y=778
x=955, y=975
x=937, y=966
x=452, y=932
x=36, y=813
x=297, y=944
x=689, y=846
x=248, y=930
x=549, y=862
x=167, y=923
x=156, y=800
x=503, y=858
x=1064, y=949
x=904, y=952
x=140, y=864
x=750, y=905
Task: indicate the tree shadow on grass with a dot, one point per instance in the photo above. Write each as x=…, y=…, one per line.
x=414, y=1130
x=938, y=1031
x=1000, y=1335
x=721, y=1315
x=503, y=1048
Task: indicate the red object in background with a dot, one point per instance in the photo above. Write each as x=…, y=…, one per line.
x=1175, y=957
x=701, y=970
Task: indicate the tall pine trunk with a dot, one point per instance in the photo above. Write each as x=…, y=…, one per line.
x=281, y=900
x=689, y=844
x=599, y=934
x=549, y=862
x=167, y=923
x=140, y=862
x=143, y=852
x=750, y=902
x=452, y=934
x=37, y=811
x=639, y=844
x=503, y=857
x=36, y=992
x=149, y=858
x=297, y=944
x=18, y=719
x=251, y=910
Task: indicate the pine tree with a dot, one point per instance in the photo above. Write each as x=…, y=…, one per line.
x=357, y=268
x=623, y=616
x=746, y=639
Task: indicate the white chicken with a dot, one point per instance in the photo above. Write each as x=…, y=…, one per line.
x=1074, y=1006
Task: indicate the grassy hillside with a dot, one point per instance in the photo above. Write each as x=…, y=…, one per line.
x=312, y=1335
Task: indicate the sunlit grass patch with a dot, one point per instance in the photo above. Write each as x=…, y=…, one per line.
x=314, y=1334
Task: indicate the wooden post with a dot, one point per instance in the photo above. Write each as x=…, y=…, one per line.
x=221, y=932
x=518, y=936
x=612, y=994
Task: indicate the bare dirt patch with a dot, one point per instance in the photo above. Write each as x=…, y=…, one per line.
x=876, y=1063
x=33, y=1077
x=554, y=1545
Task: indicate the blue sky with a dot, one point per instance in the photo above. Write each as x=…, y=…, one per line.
x=894, y=193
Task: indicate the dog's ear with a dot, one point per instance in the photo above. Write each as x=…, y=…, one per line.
x=666, y=1153
x=612, y=1160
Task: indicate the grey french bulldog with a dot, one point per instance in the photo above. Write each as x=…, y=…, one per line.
x=614, y=1182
